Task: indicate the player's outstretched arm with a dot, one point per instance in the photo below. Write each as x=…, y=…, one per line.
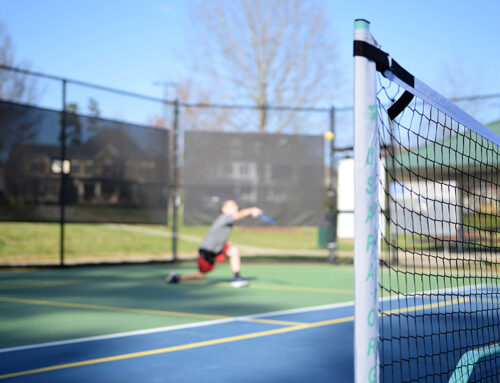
x=243, y=213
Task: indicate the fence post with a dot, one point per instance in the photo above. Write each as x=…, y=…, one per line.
x=332, y=206
x=62, y=197
x=175, y=181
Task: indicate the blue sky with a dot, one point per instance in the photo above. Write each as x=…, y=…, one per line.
x=129, y=44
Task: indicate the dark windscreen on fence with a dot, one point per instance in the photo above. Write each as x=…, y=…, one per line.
x=29, y=140
x=282, y=174
x=118, y=172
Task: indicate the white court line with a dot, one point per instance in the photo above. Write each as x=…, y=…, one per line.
x=234, y=319
x=302, y=310
x=243, y=318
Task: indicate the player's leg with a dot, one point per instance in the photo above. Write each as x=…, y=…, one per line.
x=203, y=267
x=190, y=276
x=235, y=261
x=174, y=277
x=234, y=258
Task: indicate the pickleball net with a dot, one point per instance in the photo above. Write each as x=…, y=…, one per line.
x=438, y=246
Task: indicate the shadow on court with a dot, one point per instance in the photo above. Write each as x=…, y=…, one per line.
x=147, y=328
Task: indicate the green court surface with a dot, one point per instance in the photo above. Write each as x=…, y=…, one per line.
x=38, y=306
x=123, y=323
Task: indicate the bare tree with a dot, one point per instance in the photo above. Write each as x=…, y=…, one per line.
x=14, y=86
x=265, y=52
x=17, y=125
x=200, y=118
x=156, y=121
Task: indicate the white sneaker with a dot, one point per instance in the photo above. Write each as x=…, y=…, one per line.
x=173, y=277
x=239, y=282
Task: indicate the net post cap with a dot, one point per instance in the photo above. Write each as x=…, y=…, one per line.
x=361, y=24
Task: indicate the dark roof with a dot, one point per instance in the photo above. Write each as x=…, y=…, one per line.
x=454, y=152
x=116, y=137
x=107, y=136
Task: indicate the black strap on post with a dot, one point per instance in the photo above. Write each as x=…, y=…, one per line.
x=372, y=53
x=383, y=63
x=382, y=60
x=399, y=105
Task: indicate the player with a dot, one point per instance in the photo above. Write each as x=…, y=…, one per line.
x=214, y=247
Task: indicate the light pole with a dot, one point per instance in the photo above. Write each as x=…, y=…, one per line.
x=332, y=206
x=173, y=148
x=165, y=85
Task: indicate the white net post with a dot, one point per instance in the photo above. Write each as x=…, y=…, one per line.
x=366, y=213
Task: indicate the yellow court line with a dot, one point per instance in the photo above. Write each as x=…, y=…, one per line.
x=273, y=321
x=219, y=341
x=140, y=311
x=177, y=348
x=37, y=284
x=110, y=308
x=295, y=288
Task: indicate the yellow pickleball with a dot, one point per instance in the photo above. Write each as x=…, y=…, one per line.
x=328, y=135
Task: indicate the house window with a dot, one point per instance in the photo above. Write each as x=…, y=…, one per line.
x=75, y=167
x=88, y=191
x=38, y=167
x=89, y=168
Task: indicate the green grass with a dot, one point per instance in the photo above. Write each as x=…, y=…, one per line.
x=293, y=238
x=482, y=221
x=39, y=242
x=345, y=244
x=101, y=240
x=420, y=242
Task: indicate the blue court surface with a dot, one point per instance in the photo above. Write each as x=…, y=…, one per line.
x=304, y=345
x=441, y=336
x=424, y=337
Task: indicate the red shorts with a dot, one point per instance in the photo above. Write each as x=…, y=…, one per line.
x=204, y=266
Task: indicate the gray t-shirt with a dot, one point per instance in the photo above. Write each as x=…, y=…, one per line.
x=218, y=234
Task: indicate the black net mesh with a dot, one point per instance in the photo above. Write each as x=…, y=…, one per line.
x=118, y=171
x=282, y=174
x=440, y=248
x=29, y=140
